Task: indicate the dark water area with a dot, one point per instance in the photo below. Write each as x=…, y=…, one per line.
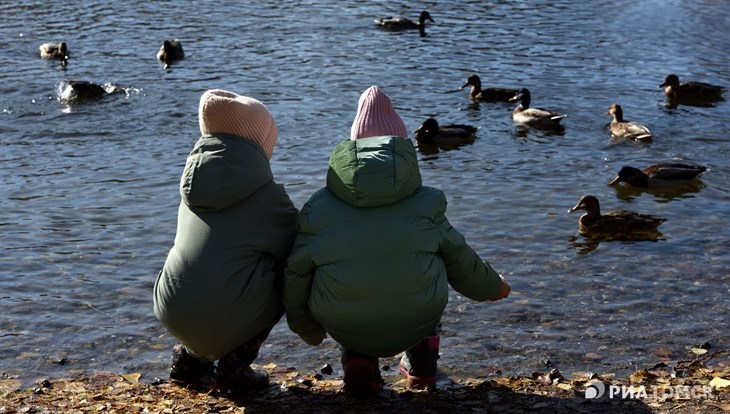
x=89, y=190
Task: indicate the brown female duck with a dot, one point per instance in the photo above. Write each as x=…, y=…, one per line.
x=627, y=129
x=614, y=223
x=691, y=92
x=659, y=175
x=444, y=136
x=55, y=51
x=171, y=50
x=487, y=94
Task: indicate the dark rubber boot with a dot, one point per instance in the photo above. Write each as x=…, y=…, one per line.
x=419, y=364
x=186, y=368
x=362, y=374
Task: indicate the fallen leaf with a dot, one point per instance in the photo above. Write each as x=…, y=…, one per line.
x=269, y=367
x=134, y=378
x=564, y=386
x=698, y=351
x=718, y=382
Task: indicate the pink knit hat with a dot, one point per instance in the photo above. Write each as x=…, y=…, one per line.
x=376, y=116
x=223, y=112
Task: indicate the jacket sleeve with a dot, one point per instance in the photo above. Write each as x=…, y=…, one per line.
x=467, y=273
x=297, y=287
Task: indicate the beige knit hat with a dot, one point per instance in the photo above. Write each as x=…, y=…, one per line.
x=223, y=112
x=376, y=116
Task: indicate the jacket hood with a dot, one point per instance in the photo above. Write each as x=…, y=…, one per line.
x=221, y=171
x=374, y=171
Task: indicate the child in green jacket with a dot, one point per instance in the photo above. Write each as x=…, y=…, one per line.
x=219, y=292
x=375, y=253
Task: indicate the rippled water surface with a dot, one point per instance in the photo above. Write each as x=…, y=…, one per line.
x=88, y=194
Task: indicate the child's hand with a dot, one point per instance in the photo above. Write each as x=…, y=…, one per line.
x=504, y=291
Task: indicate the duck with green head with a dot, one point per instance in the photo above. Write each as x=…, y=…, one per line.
x=451, y=136
x=659, y=175
x=690, y=92
x=535, y=117
x=402, y=23
x=170, y=51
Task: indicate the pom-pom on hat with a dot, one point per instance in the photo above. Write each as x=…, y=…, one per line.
x=223, y=112
x=376, y=116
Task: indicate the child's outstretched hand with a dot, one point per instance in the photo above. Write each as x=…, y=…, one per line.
x=504, y=291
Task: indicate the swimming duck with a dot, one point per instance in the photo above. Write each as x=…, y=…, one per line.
x=614, y=222
x=170, y=51
x=627, y=129
x=401, y=23
x=659, y=175
x=487, y=94
x=78, y=90
x=693, y=92
x=535, y=117
x=445, y=136
x=55, y=51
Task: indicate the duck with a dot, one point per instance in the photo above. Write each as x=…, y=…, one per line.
x=535, y=117
x=79, y=90
x=487, y=94
x=401, y=23
x=55, y=51
x=659, y=175
x=171, y=50
x=614, y=223
x=445, y=136
x=627, y=129
x=693, y=92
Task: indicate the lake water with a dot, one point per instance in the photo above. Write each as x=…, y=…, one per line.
x=89, y=191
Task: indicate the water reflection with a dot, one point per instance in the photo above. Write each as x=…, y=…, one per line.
x=526, y=133
x=586, y=243
x=688, y=190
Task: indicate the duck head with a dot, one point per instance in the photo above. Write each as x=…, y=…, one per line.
x=472, y=80
x=616, y=111
x=627, y=174
x=671, y=81
x=423, y=17
x=426, y=131
x=523, y=95
x=589, y=204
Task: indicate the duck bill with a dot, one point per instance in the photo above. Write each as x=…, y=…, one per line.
x=464, y=85
x=515, y=98
x=662, y=85
x=420, y=128
x=614, y=181
x=575, y=208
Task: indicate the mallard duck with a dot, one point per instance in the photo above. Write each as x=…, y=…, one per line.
x=171, y=50
x=535, y=117
x=614, y=222
x=659, y=175
x=401, y=23
x=487, y=94
x=627, y=129
x=453, y=135
x=55, y=51
x=694, y=92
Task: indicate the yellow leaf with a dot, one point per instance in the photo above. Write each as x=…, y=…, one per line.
x=563, y=386
x=718, y=382
x=269, y=366
x=698, y=351
x=132, y=377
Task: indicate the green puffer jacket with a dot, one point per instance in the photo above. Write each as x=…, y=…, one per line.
x=221, y=282
x=375, y=253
